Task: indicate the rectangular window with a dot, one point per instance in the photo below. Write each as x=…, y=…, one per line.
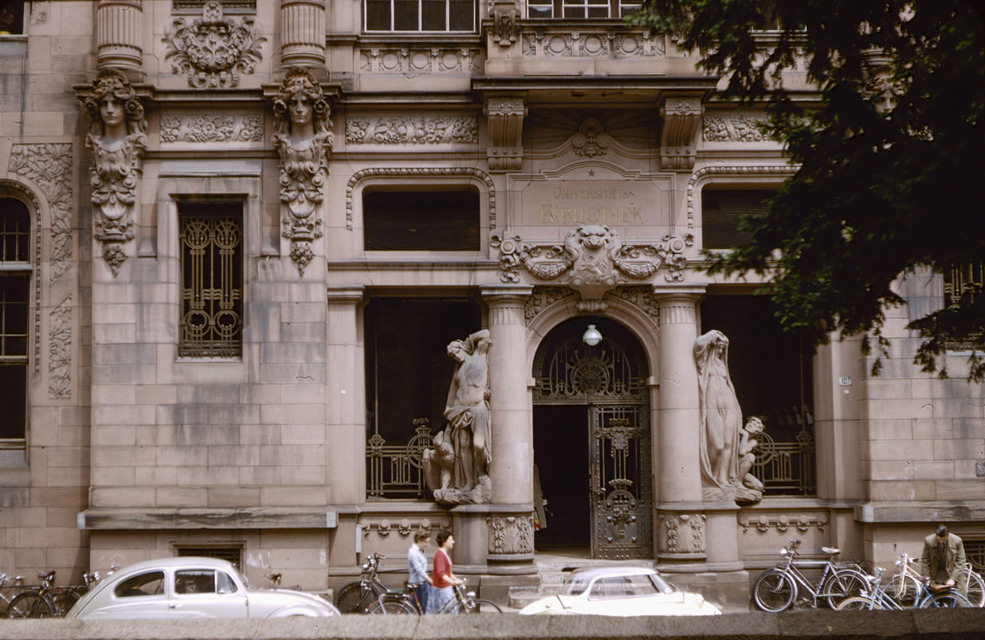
x=12, y=18
x=416, y=16
x=720, y=212
x=15, y=299
x=415, y=220
x=581, y=9
x=210, y=238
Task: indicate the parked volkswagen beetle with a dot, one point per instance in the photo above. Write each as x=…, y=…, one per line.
x=185, y=588
x=621, y=591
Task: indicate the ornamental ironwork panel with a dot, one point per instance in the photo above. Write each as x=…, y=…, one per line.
x=212, y=287
x=621, y=493
x=577, y=373
x=395, y=470
x=975, y=554
x=965, y=280
x=786, y=468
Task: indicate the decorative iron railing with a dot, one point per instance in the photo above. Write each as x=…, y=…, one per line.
x=975, y=554
x=396, y=470
x=786, y=468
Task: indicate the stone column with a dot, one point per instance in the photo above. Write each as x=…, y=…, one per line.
x=676, y=444
x=302, y=33
x=345, y=415
x=118, y=31
x=509, y=522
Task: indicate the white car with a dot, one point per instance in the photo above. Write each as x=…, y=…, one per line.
x=185, y=588
x=621, y=591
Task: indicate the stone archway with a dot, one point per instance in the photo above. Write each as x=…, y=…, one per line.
x=592, y=440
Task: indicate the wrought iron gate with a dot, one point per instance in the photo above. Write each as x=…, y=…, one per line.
x=621, y=503
x=612, y=388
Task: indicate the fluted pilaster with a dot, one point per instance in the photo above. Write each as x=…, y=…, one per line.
x=302, y=33
x=118, y=25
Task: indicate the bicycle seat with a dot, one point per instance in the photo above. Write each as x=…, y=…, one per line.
x=831, y=551
x=44, y=575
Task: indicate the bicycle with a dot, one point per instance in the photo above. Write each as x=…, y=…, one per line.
x=47, y=600
x=877, y=598
x=906, y=583
x=4, y=600
x=405, y=602
x=778, y=588
x=356, y=597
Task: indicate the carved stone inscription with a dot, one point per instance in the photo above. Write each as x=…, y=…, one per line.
x=614, y=203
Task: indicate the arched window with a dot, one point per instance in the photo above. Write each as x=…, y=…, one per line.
x=15, y=288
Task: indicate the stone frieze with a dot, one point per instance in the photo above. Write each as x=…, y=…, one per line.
x=211, y=127
x=387, y=130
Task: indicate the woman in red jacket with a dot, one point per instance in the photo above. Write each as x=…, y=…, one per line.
x=442, y=576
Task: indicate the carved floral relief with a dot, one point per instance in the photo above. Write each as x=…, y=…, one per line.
x=213, y=50
x=412, y=130
x=117, y=140
x=511, y=534
x=682, y=533
x=304, y=140
x=212, y=127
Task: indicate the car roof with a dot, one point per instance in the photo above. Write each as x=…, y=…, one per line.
x=182, y=561
x=587, y=573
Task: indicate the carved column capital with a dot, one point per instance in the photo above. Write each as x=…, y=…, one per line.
x=678, y=138
x=505, y=115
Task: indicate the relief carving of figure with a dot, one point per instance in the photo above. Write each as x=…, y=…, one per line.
x=720, y=423
x=117, y=140
x=304, y=141
x=457, y=468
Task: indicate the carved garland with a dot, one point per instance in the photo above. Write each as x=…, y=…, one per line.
x=511, y=534
x=50, y=167
x=404, y=528
x=733, y=128
x=783, y=523
x=425, y=173
x=683, y=533
x=60, y=350
x=782, y=171
x=213, y=50
x=412, y=130
x=212, y=127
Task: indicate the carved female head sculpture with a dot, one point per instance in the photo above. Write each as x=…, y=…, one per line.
x=301, y=104
x=113, y=107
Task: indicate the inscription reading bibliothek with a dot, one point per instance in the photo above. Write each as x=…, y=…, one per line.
x=604, y=202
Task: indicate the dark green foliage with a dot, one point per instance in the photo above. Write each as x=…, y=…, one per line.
x=890, y=152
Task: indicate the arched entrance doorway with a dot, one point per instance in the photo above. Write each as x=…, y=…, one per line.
x=592, y=441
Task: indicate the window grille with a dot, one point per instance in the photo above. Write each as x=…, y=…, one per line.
x=409, y=16
x=15, y=296
x=974, y=551
x=396, y=470
x=212, y=286
x=965, y=280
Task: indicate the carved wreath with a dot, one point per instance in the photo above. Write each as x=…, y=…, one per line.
x=213, y=50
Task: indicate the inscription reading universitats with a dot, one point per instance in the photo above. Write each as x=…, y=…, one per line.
x=605, y=202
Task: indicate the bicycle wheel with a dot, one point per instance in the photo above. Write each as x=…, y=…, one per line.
x=481, y=605
x=903, y=588
x=842, y=584
x=950, y=600
x=353, y=598
x=30, y=604
x=392, y=605
x=64, y=601
x=976, y=590
x=858, y=603
x=774, y=591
